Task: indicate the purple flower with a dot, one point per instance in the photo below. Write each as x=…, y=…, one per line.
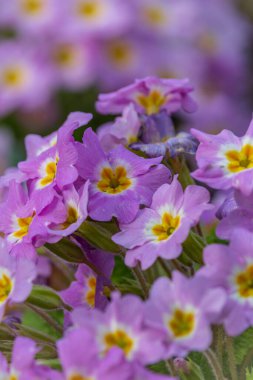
x=25, y=223
x=182, y=310
x=120, y=180
x=21, y=82
x=74, y=208
x=124, y=130
x=16, y=276
x=160, y=230
x=225, y=161
x=173, y=146
x=149, y=96
x=231, y=267
x=122, y=327
x=36, y=145
x=236, y=212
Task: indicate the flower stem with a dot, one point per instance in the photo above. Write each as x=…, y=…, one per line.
x=231, y=358
x=141, y=279
x=46, y=318
x=214, y=364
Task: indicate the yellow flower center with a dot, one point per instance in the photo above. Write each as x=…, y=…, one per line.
x=89, y=9
x=154, y=16
x=181, y=323
x=50, y=174
x=24, y=225
x=91, y=292
x=32, y=7
x=6, y=286
x=207, y=42
x=72, y=217
x=120, y=53
x=240, y=160
x=12, y=77
x=77, y=376
x=114, y=181
x=119, y=338
x=169, y=224
x=244, y=282
x=152, y=102
x=64, y=55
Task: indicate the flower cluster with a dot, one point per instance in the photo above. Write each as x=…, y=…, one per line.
x=107, y=267
x=72, y=44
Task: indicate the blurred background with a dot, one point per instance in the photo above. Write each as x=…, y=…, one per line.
x=57, y=55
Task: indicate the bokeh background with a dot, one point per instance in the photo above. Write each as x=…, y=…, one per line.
x=56, y=56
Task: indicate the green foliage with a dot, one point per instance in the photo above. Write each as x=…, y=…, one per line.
x=45, y=298
x=67, y=250
x=99, y=235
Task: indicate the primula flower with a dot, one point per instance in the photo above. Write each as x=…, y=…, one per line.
x=225, y=161
x=51, y=160
x=16, y=278
x=80, y=360
x=23, y=365
x=235, y=212
x=122, y=327
x=149, y=96
x=160, y=230
x=25, y=223
x=124, y=130
x=74, y=211
x=36, y=144
x=21, y=83
x=120, y=180
x=181, y=143
x=231, y=267
x=96, y=17
x=182, y=309
x=88, y=289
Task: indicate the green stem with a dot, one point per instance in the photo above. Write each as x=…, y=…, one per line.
x=219, y=342
x=231, y=358
x=247, y=363
x=141, y=279
x=170, y=367
x=165, y=267
x=214, y=364
x=46, y=318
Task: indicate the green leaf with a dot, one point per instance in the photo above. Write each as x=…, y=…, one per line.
x=249, y=374
x=212, y=238
x=199, y=359
x=193, y=247
x=243, y=344
x=45, y=298
x=67, y=250
x=99, y=235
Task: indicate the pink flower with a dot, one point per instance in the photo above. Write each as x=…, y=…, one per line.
x=160, y=230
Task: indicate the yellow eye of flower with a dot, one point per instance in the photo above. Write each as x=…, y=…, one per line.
x=114, y=181
x=72, y=217
x=91, y=292
x=152, y=102
x=240, y=160
x=119, y=338
x=77, y=376
x=6, y=286
x=89, y=9
x=32, y=7
x=154, y=16
x=49, y=173
x=120, y=53
x=208, y=43
x=12, y=77
x=24, y=225
x=64, y=56
x=182, y=323
x=244, y=282
x=167, y=227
